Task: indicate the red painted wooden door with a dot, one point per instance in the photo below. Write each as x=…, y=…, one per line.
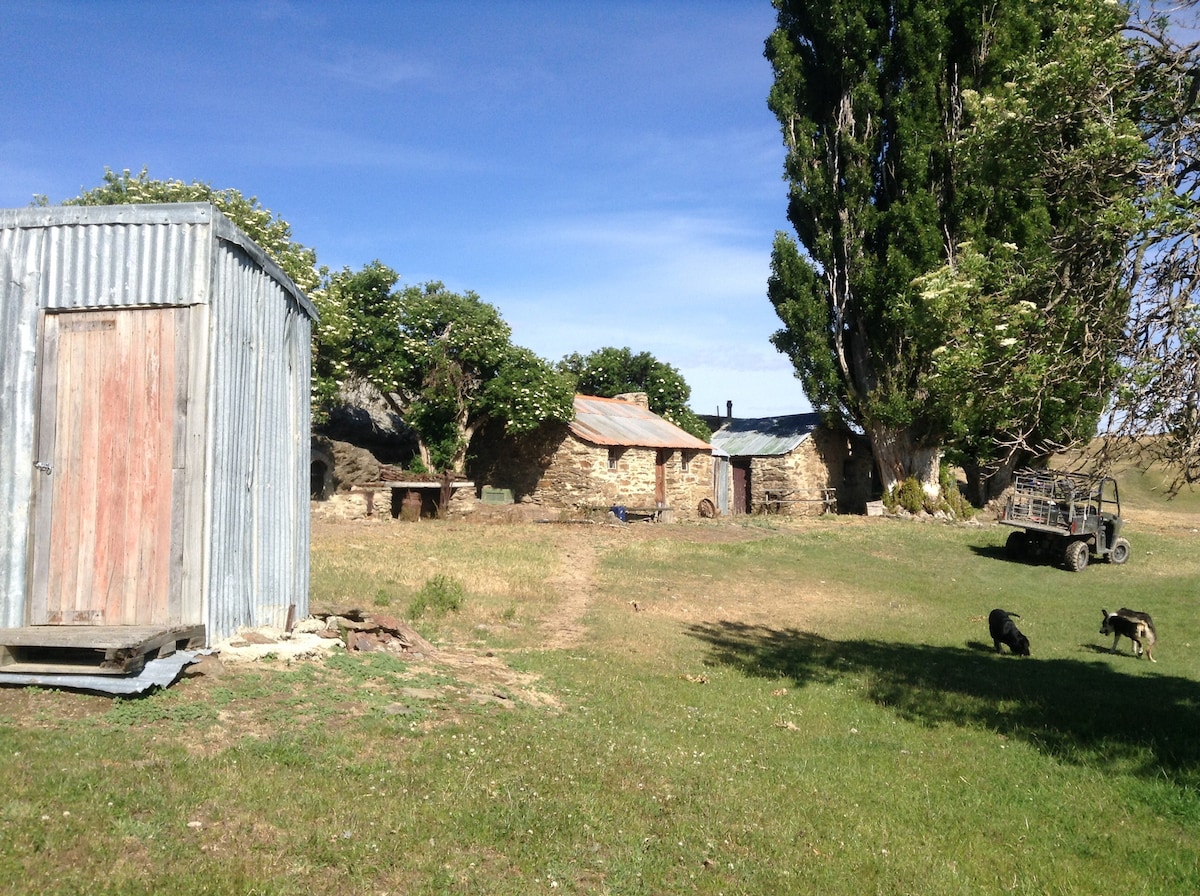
x=107, y=424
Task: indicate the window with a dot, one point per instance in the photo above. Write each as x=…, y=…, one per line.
x=614, y=457
x=685, y=460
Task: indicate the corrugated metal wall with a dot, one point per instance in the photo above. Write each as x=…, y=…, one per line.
x=18, y=349
x=251, y=365
x=721, y=480
x=258, y=448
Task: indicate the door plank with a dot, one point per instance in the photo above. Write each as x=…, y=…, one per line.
x=110, y=531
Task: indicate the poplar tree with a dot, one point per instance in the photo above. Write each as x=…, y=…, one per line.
x=952, y=237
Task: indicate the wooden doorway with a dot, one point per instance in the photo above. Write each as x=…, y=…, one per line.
x=741, y=484
x=661, y=458
x=113, y=388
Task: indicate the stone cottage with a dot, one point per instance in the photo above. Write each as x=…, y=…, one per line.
x=792, y=465
x=616, y=452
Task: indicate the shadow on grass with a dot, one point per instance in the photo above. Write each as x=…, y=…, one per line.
x=1001, y=553
x=1082, y=711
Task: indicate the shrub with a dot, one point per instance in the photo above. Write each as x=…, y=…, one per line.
x=442, y=594
x=953, y=500
x=910, y=495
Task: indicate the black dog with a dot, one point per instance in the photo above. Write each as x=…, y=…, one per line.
x=1005, y=631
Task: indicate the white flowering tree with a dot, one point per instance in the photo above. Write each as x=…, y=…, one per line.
x=445, y=361
x=1034, y=300
x=263, y=226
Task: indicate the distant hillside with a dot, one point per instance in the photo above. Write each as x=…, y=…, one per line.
x=1143, y=486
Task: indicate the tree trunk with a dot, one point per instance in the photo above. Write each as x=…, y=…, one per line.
x=458, y=464
x=987, y=481
x=898, y=456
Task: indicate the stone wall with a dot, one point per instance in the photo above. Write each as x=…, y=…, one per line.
x=687, y=488
x=498, y=460
x=554, y=469
x=579, y=476
x=827, y=459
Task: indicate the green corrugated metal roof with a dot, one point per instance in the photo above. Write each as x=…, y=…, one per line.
x=764, y=436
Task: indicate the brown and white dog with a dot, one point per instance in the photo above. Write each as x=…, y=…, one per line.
x=1137, y=627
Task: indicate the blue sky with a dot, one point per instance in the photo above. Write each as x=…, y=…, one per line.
x=604, y=173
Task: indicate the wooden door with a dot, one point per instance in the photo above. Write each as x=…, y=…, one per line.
x=660, y=477
x=110, y=389
x=741, y=485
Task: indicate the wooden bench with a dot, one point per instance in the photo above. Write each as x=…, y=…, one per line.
x=776, y=500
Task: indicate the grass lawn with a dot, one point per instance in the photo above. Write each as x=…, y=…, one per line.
x=727, y=707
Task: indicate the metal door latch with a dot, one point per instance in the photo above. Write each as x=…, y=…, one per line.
x=44, y=467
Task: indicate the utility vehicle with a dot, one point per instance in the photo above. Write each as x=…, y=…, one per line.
x=1065, y=517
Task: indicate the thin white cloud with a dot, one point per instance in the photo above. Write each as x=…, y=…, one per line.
x=380, y=70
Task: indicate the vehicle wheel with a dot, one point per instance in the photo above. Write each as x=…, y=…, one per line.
x=1119, y=552
x=706, y=509
x=1015, y=545
x=1075, y=557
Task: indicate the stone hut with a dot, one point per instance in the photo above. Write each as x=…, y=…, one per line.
x=792, y=465
x=615, y=453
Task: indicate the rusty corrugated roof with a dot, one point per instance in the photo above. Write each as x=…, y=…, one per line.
x=764, y=436
x=610, y=421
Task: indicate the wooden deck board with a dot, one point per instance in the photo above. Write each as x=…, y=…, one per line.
x=91, y=649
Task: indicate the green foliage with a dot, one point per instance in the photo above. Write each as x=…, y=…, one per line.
x=910, y=495
x=952, y=500
x=1031, y=307
x=461, y=368
x=355, y=335
x=961, y=186
x=445, y=360
x=442, y=594
x=527, y=392
x=907, y=495
x=608, y=372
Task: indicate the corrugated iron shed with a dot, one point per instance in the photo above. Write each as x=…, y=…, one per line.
x=764, y=436
x=188, y=316
x=611, y=421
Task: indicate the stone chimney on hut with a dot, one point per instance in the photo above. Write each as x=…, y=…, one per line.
x=641, y=399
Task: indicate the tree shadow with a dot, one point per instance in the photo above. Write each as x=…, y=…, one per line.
x=1079, y=711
